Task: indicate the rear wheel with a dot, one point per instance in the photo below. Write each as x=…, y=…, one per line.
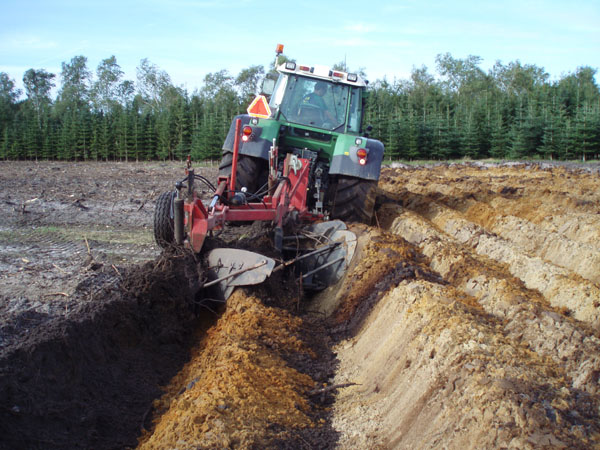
x=163, y=222
x=353, y=199
x=251, y=172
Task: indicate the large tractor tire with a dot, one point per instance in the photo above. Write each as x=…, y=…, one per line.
x=251, y=172
x=164, y=233
x=353, y=199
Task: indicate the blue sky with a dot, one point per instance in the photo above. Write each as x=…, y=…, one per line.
x=189, y=39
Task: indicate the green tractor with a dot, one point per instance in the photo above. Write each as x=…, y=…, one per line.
x=314, y=113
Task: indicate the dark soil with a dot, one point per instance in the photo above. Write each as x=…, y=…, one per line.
x=88, y=380
x=322, y=370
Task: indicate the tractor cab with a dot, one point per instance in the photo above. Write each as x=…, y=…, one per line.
x=318, y=97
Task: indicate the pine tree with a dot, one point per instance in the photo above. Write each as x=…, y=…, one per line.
x=584, y=134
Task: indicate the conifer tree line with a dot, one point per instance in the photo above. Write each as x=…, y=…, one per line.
x=513, y=111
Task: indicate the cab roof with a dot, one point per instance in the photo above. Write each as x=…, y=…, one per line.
x=323, y=73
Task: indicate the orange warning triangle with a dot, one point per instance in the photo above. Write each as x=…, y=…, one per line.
x=259, y=108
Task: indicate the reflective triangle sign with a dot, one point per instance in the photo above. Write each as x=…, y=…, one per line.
x=259, y=108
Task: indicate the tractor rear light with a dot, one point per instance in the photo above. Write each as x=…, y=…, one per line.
x=304, y=68
x=338, y=74
x=290, y=65
x=352, y=77
x=362, y=153
x=247, y=133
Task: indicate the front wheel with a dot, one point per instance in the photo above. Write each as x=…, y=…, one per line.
x=164, y=233
x=353, y=199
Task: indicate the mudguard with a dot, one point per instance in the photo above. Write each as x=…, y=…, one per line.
x=346, y=163
x=258, y=147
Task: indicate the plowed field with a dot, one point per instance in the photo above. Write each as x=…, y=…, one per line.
x=470, y=318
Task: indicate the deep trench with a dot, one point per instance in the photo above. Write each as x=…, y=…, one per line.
x=89, y=379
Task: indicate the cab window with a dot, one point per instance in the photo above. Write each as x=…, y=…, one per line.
x=354, y=116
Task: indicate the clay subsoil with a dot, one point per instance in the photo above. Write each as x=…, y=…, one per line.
x=470, y=318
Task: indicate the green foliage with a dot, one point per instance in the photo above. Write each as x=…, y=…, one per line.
x=106, y=91
x=248, y=81
x=513, y=111
x=74, y=94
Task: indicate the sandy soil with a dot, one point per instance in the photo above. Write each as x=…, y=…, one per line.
x=469, y=319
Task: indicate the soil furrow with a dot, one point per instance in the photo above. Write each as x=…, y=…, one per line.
x=526, y=315
x=561, y=287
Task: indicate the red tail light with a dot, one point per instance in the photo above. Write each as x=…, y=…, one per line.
x=246, y=133
x=362, y=153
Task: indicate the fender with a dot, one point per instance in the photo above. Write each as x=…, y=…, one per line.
x=258, y=147
x=346, y=163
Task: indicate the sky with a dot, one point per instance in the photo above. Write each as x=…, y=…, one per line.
x=189, y=39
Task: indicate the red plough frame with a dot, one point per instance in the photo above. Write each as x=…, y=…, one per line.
x=290, y=195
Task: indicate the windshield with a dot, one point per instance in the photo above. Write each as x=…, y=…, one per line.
x=309, y=101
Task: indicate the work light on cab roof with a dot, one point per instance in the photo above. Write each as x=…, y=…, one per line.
x=323, y=72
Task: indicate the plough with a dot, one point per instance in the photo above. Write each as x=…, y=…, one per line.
x=319, y=252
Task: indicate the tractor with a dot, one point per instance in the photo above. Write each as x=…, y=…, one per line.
x=299, y=158
x=327, y=129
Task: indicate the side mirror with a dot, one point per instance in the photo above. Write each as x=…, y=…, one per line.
x=268, y=86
